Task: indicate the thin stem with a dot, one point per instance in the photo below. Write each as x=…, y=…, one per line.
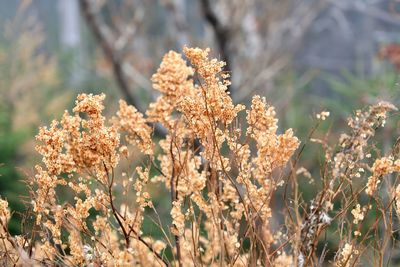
x=174, y=197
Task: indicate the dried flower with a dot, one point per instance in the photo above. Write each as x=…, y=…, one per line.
x=323, y=115
x=358, y=214
x=346, y=255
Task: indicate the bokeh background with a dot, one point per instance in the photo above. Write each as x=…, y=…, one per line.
x=303, y=55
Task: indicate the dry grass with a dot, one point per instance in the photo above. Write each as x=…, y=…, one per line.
x=222, y=167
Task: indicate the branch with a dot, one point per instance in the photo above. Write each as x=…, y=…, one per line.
x=102, y=35
x=222, y=34
x=106, y=44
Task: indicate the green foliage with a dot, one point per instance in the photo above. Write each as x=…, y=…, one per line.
x=12, y=187
x=357, y=91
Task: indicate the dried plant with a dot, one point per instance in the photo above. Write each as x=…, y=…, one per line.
x=223, y=167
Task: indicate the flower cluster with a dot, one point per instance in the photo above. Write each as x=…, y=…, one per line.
x=358, y=214
x=138, y=132
x=346, y=255
x=381, y=167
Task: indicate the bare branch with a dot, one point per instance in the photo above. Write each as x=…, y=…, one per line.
x=222, y=34
x=104, y=37
x=99, y=32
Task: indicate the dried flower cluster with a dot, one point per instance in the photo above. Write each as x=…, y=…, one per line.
x=381, y=167
x=223, y=168
x=323, y=115
x=346, y=256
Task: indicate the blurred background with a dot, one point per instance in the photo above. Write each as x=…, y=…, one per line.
x=303, y=55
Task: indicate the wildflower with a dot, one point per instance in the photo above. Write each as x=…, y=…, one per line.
x=380, y=167
x=346, y=255
x=178, y=219
x=358, y=214
x=4, y=212
x=219, y=172
x=135, y=126
x=325, y=218
x=323, y=115
x=397, y=199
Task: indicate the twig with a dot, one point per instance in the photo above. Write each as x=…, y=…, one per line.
x=114, y=210
x=148, y=246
